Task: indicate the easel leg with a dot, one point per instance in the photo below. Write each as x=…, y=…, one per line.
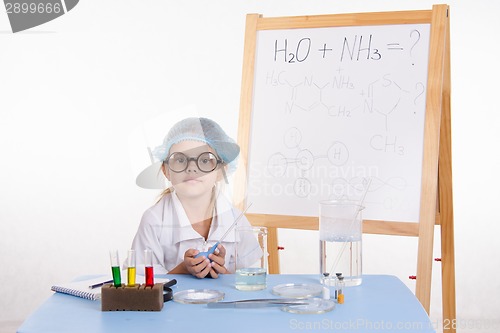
x=272, y=248
x=446, y=199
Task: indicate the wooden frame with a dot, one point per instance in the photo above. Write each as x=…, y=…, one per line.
x=436, y=204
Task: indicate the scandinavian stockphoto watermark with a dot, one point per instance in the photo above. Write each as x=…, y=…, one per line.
x=354, y=325
x=26, y=14
x=367, y=325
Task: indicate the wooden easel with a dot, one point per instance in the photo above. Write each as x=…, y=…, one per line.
x=436, y=204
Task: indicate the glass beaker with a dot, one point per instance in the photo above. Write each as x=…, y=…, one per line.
x=340, y=231
x=251, y=258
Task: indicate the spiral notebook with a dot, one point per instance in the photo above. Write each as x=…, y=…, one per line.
x=82, y=288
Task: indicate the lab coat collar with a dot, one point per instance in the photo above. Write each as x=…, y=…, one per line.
x=222, y=220
x=184, y=230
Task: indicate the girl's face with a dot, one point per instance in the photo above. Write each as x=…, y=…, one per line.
x=192, y=183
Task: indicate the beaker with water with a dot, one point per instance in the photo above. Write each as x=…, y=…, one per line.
x=251, y=258
x=340, y=231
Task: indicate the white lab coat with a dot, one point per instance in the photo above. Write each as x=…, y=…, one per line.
x=165, y=229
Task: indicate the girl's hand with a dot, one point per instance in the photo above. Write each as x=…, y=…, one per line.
x=199, y=267
x=218, y=260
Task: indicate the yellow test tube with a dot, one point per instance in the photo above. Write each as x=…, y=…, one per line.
x=131, y=268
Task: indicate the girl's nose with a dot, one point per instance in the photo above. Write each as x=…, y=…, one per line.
x=192, y=167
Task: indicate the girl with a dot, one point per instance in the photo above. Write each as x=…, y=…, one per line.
x=191, y=216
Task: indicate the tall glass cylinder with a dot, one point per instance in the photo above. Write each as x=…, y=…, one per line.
x=340, y=241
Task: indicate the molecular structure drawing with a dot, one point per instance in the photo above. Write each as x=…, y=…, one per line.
x=278, y=164
x=341, y=96
x=341, y=187
x=353, y=188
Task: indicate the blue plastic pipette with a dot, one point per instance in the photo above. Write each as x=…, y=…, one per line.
x=212, y=249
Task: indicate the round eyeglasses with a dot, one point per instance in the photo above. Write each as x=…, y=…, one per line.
x=206, y=162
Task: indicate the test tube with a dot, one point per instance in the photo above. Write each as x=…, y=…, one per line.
x=336, y=284
x=115, y=268
x=148, y=264
x=325, y=278
x=340, y=290
x=131, y=268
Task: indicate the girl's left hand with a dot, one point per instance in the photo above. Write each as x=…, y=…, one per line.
x=218, y=261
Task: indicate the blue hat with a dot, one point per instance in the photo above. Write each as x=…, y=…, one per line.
x=203, y=130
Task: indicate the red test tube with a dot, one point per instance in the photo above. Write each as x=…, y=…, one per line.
x=148, y=264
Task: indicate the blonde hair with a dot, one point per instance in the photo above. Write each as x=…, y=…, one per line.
x=165, y=192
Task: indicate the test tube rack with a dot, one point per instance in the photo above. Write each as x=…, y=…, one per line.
x=136, y=298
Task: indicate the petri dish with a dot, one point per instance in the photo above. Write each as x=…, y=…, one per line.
x=313, y=306
x=198, y=296
x=297, y=290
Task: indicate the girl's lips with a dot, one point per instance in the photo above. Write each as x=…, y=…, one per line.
x=191, y=180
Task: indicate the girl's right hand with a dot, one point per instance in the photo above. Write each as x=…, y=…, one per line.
x=198, y=267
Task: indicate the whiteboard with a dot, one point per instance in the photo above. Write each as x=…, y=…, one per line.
x=335, y=109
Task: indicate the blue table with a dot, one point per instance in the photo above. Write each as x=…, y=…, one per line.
x=382, y=303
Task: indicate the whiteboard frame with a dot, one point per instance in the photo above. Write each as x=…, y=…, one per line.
x=436, y=192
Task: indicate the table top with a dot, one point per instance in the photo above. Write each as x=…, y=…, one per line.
x=380, y=303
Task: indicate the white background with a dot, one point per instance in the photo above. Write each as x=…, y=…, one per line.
x=75, y=92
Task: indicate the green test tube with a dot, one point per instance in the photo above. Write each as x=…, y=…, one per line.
x=115, y=268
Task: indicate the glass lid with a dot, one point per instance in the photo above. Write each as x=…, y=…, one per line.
x=297, y=290
x=198, y=296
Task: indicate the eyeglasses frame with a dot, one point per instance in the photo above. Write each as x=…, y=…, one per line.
x=194, y=159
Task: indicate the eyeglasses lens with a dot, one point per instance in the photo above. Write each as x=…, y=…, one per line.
x=207, y=162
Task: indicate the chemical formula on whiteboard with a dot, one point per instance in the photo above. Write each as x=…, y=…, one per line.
x=354, y=48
